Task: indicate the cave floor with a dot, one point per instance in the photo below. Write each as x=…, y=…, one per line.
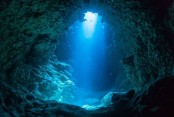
x=156, y=101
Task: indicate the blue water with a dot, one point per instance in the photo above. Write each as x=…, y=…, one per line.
x=88, y=48
x=88, y=52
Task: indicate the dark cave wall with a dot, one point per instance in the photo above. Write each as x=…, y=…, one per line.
x=145, y=40
x=31, y=29
x=169, y=22
x=29, y=33
x=34, y=27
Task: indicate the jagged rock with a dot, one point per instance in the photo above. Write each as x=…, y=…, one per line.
x=30, y=106
x=157, y=100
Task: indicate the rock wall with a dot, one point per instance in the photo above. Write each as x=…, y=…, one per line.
x=29, y=33
x=145, y=39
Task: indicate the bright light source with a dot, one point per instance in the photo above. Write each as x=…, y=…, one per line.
x=89, y=16
x=89, y=24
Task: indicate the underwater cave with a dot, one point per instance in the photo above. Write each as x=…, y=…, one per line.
x=88, y=48
x=86, y=58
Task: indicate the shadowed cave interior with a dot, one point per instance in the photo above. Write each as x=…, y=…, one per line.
x=86, y=58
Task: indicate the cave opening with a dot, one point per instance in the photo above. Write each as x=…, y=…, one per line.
x=87, y=46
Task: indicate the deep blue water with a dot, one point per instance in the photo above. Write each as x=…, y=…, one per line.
x=88, y=52
x=96, y=70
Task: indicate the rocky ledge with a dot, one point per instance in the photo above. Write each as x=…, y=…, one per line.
x=156, y=101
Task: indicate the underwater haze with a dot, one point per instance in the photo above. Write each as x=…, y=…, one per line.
x=94, y=73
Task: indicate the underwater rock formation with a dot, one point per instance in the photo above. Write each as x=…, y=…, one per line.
x=29, y=32
x=156, y=101
x=20, y=103
x=142, y=38
x=147, y=39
